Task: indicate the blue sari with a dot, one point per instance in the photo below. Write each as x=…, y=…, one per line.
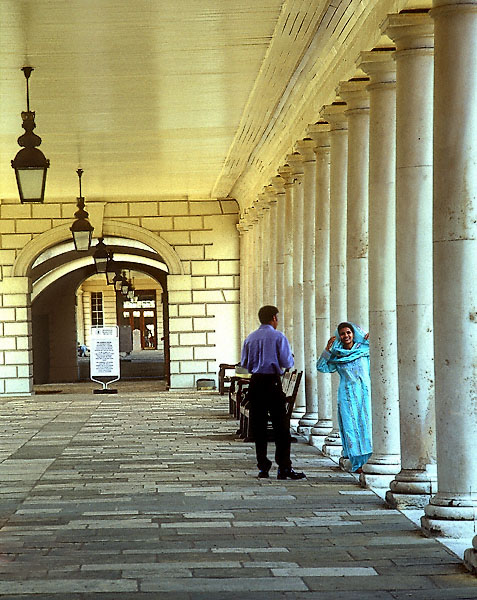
x=354, y=395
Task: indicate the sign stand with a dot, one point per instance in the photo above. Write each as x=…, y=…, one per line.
x=104, y=357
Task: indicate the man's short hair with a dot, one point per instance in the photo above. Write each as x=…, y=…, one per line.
x=266, y=314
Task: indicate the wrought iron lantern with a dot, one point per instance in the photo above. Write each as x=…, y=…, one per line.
x=82, y=230
x=101, y=256
x=30, y=164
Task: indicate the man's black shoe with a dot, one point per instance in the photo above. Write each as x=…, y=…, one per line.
x=289, y=474
x=263, y=475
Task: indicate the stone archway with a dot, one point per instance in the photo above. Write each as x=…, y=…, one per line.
x=46, y=240
x=16, y=291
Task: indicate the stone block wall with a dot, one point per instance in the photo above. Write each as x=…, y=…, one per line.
x=203, y=300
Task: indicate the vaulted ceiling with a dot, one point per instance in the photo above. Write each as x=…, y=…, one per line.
x=164, y=98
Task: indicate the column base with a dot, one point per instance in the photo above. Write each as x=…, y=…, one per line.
x=450, y=515
x=308, y=420
x=333, y=446
x=404, y=501
x=380, y=472
x=323, y=427
x=317, y=441
x=333, y=451
x=305, y=431
x=412, y=488
x=470, y=557
x=298, y=414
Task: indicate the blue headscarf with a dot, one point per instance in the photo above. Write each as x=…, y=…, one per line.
x=359, y=349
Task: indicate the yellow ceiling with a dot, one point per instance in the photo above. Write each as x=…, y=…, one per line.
x=163, y=98
x=145, y=95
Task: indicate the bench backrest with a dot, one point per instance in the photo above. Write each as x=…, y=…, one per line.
x=292, y=391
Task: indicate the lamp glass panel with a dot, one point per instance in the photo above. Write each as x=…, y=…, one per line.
x=82, y=240
x=101, y=265
x=31, y=183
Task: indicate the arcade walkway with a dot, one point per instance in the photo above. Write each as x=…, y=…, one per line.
x=146, y=495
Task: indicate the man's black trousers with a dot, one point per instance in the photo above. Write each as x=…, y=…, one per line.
x=268, y=400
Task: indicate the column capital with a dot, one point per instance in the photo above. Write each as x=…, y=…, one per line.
x=278, y=183
x=242, y=227
x=295, y=160
x=253, y=216
x=261, y=203
x=305, y=148
x=334, y=114
x=270, y=196
x=320, y=134
x=410, y=30
x=441, y=7
x=286, y=174
x=355, y=93
x=379, y=64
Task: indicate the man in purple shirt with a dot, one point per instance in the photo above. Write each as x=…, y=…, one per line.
x=265, y=353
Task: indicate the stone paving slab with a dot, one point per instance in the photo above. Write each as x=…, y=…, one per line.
x=149, y=495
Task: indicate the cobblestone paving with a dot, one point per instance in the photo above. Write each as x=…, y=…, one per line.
x=147, y=495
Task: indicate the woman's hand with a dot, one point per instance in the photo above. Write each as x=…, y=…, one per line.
x=330, y=343
x=366, y=337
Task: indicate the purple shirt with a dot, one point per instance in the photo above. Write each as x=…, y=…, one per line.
x=266, y=351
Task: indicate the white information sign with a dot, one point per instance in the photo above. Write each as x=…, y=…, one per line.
x=104, y=355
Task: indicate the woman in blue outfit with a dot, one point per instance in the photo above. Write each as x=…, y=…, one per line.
x=347, y=352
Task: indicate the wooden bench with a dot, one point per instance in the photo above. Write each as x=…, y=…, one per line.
x=224, y=379
x=237, y=391
x=290, y=385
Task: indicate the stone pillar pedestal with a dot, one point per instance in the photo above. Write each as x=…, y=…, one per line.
x=295, y=161
x=452, y=511
x=354, y=93
x=16, y=349
x=413, y=34
x=321, y=136
x=334, y=115
x=305, y=148
x=287, y=311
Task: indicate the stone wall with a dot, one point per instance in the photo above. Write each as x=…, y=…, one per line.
x=203, y=284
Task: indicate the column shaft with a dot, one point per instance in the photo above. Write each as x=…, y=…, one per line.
x=385, y=461
x=334, y=114
x=356, y=97
x=414, y=37
x=278, y=185
x=321, y=136
x=305, y=147
x=287, y=312
x=296, y=165
x=451, y=512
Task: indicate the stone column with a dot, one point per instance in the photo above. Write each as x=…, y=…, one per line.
x=80, y=316
x=295, y=161
x=287, y=310
x=452, y=511
x=254, y=268
x=355, y=94
x=334, y=114
x=321, y=136
x=263, y=229
x=413, y=34
x=386, y=459
x=16, y=350
x=278, y=184
x=242, y=229
x=306, y=150
x=271, y=236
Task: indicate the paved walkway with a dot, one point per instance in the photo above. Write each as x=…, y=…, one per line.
x=147, y=495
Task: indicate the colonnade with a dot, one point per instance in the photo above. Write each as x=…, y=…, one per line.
x=373, y=218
